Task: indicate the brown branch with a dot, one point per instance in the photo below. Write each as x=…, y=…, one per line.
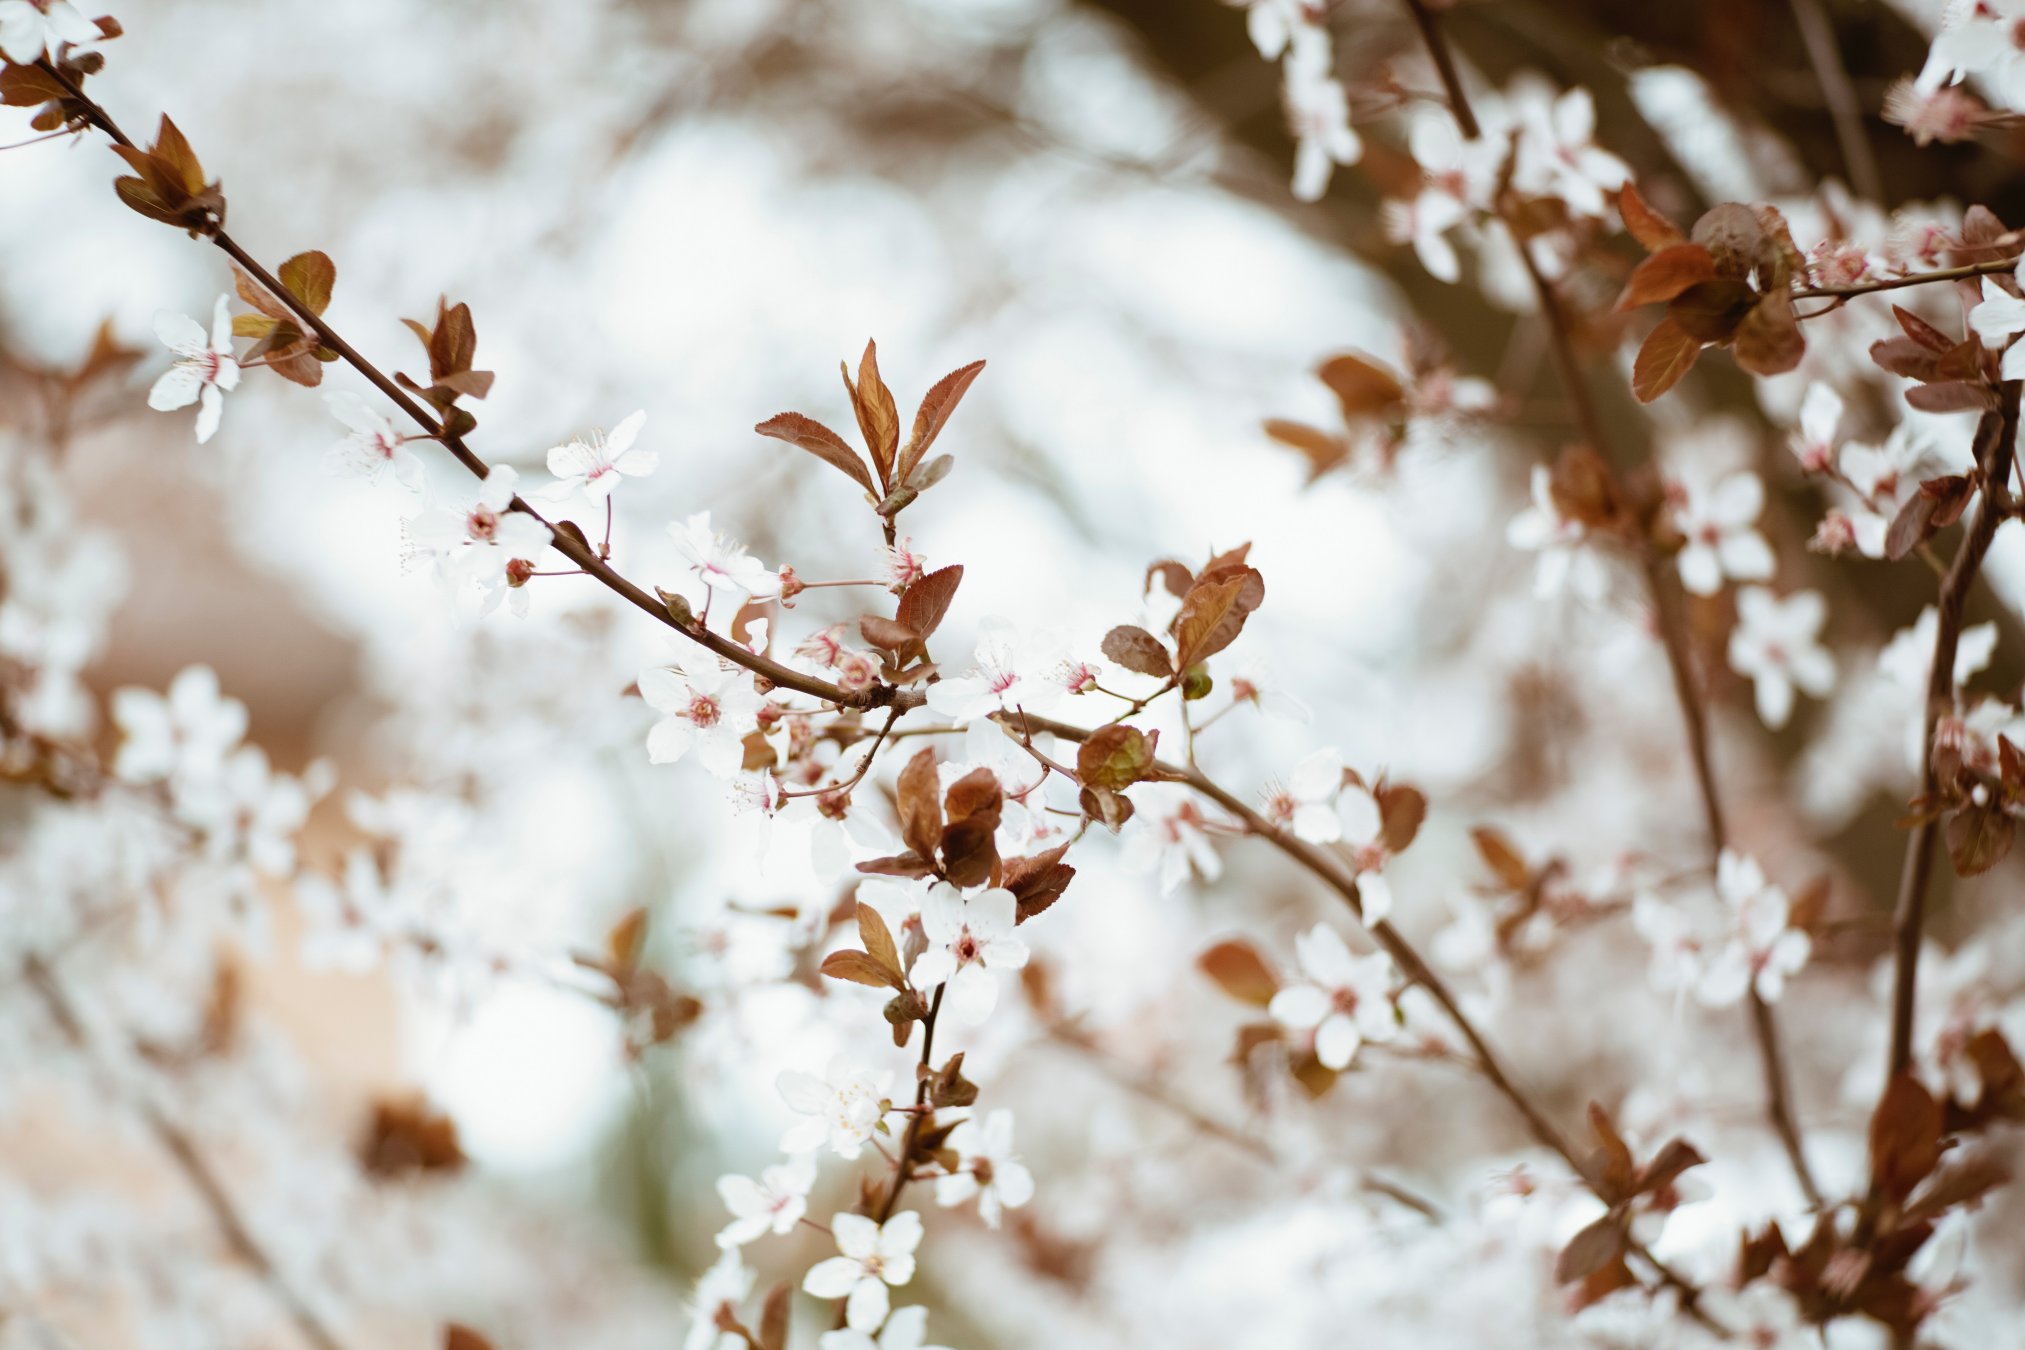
x=196, y=1168
x=1673, y=630
x=1997, y=440
x=1857, y=159
x=1966, y=272
x=1150, y=1088
x=585, y=557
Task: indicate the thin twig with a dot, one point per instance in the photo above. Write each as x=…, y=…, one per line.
x=196, y=1168
x=583, y=556
x=1822, y=53
x=1673, y=630
x=1997, y=439
x=1151, y=1089
x=1966, y=272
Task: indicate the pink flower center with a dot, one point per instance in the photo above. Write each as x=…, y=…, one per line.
x=482, y=524
x=966, y=949
x=998, y=681
x=704, y=711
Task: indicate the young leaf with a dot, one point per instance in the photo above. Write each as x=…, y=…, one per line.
x=1213, y=613
x=1644, y=224
x=310, y=277
x=1115, y=757
x=925, y=602
x=860, y=968
x=1669, y=352
x=1362, y=387
x=1768, y=340
x=878, y=939
x=1905, y=1136
x=1037, y=881
x=1138, y=650
x=1666, y=274
x=819, y=441
x=933, y=415
x=1240, y=971
x=920, y=804
x=878, y=419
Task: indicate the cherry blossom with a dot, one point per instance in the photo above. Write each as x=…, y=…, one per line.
x=375, y=450
x=480, y=542
x=904, y=566
x=248, y=812
x=905, y=1329
x=775, y=1203
x=1776, y=643
x=1884, y=477
x=845, y=1108
x=711, y=713
x=1167, y=838
x=184, y=736
x=1347, y=1001
x=720, y=1289
x=1319, y=111
x=722, y=563
x=970, y=938
x=1307, y=805
x=1720, y=525
x=205, y=368
x=1820, y=417
x=1761, y=949
x=988, y=1170
x=29, y=29
x=1979, y=38
x=1559, y=151
x=1568, y=559
x=1997, y=320
x=593, y=466
x=872, y=1256
x=998, y=682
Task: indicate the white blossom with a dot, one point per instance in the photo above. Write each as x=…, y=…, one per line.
x=31, y=28
x=774, y=1203
x=711, y=713
x=204, y=369
x=905, y=1329
x=872, y=1256
x=845, y=1108
x=723, y=564
x=1345, y=1002
x=1568, y=559
x=988, y=1170
x=1776, y=643
x=375, y=450
x=594, y=465
x=1720, y=526
x=969, y=939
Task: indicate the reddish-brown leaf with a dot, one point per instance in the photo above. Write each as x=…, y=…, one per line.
x=1710, y=311
x=925, y=602
x=1666, y=274
x=310, y=277
x=1323, y=450
x=860, y=968
x=1591, y=1250
x=1768, y=340
x=1668, y=353
x=1978, y=838
x=1138, y=650
x=1905, y=1136
x=969, y=850
x=773, y=1317
x=1115, y=757
x=1920, y=331
x=1644, y=224
x=1952, y=396
x=1240, y=971
x=819, y=441
x=920, y=804
x=878, y=419
x=1213, y=613
x=933, y=415
x=1037, y=881
x=1401, y=809
x=1502, y=857
x=878, y=939
x=1362, y=387
x=456, y=1336
x=888, y=635
x=1735, y=237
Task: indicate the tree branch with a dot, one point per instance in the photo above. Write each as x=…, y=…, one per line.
x=195, y=1167
x=1667, y=605
x=1997, y=441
